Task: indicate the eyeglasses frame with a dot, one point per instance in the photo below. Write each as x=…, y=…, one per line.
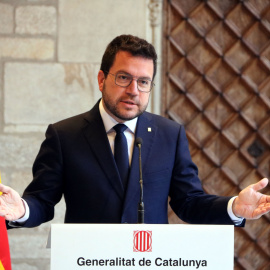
x=133, y=78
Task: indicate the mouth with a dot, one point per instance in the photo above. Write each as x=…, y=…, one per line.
x=129, y=102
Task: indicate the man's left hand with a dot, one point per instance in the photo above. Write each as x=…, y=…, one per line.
x=250, y=203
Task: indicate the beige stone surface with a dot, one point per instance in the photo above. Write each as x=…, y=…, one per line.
x=86, y=27
x=46, y=93
x=1, y=96
x=24, y=128
x=36, y=20
x=20, y=179
x=50, y=53
x=18, y=151
x=26, y=264
x=27, y=48
x=38, y=251
x=6, y=18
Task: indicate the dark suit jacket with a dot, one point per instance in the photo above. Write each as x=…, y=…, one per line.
x=76, y=161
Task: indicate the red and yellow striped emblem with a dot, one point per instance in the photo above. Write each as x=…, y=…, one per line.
x=142, y=241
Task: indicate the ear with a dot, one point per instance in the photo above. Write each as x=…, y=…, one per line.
x=101, y=80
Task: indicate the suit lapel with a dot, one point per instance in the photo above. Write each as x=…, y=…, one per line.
x=96, y=136
x=147, y=131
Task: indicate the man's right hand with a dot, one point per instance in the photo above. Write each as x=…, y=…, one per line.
x=11, y=204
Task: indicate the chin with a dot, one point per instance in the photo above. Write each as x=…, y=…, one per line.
x=126, y=117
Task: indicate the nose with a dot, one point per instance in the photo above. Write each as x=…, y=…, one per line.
x=132, y=89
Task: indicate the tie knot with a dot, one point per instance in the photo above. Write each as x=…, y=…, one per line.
x=120, y=128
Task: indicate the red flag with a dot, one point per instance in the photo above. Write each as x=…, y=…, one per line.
x=5, y=263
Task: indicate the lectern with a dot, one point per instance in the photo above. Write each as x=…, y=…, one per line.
x=141, y=246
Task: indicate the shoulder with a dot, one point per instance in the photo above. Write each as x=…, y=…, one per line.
x=80, y=120
x=162, y=122
x=71, y=122
x=164, y=128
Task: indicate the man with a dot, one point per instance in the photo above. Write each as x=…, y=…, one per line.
x=78, y=159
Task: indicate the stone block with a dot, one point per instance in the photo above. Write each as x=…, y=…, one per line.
x=38, y=1
x=27, y=48
x=46, y=93
x=86, y=27
x=1, y=97
x=24, y=128
x=21, y=179
x=6, y=18
x=18, y=152
x=5, y=179
x=31, y=265
x=28, y=246
x=36, y=20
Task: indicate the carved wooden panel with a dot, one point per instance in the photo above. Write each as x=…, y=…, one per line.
x=216, y=66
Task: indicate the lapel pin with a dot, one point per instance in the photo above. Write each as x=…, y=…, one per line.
x=149, y=129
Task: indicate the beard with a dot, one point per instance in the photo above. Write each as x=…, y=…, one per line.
x=115, y=112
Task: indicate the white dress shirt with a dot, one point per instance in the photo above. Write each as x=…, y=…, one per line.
x=110, y=122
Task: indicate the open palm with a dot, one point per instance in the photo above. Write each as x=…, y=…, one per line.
x=11, y=205
x=250, y=203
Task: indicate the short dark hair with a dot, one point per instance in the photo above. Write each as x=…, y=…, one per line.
x=132, y=44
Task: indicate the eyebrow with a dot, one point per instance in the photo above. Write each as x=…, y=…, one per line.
x=138, y=77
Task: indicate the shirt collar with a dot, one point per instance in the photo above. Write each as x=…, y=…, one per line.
x=110, y=122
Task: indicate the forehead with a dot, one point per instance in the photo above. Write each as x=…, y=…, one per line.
x=134, y=65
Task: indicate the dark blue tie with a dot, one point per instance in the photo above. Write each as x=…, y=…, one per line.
x=121, y=152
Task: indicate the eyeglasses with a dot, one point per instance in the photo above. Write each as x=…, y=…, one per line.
x=124, y=80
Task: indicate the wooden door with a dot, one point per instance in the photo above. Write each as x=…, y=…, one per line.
x=216, y=66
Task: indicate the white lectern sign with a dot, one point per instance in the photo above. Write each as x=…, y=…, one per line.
x=141, y=246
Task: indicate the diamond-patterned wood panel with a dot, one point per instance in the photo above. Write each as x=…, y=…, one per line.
x=216, y=62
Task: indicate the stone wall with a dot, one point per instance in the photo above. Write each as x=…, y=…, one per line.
x=50, y=53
